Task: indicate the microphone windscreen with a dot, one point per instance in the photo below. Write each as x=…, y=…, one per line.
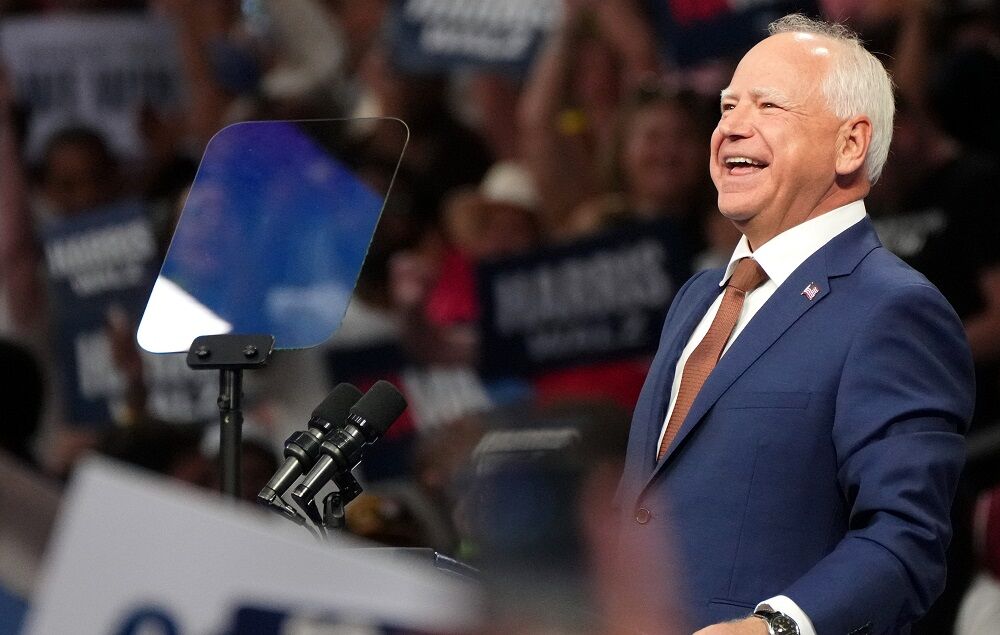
x=380, y=406
x=337, y=404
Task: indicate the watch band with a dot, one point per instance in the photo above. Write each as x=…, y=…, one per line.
x=778, y=623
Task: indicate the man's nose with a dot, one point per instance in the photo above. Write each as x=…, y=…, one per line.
x=735, y=122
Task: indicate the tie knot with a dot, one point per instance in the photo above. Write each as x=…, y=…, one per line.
x=747, y=276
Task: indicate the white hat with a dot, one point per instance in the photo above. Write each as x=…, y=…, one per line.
x=508, y=182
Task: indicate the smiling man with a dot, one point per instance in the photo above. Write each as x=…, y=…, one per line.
x=800, y=434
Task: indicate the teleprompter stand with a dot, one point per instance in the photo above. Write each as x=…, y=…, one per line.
x=231, y=354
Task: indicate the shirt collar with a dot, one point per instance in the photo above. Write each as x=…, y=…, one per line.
x=783, y=254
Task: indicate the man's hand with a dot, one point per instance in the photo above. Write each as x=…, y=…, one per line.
x=748, y=626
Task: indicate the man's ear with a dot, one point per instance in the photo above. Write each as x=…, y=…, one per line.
x=854, y=137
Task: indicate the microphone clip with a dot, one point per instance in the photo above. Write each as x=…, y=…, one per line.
x=334, y=515
x=348, y=489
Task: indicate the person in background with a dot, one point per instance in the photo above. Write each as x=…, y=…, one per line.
x=569, y=104
x=441, y=152
x=20, y=255
x=980, y=607
x=434, y=286
x=170, y=449
x=655, y=168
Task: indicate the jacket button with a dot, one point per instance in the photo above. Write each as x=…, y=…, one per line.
x=642, y=515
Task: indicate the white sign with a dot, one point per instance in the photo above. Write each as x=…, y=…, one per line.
x=90, y=70
x=129, y=544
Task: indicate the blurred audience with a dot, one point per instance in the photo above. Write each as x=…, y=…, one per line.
x=980, y=607
x=23, y=396
x=570, y=102
x=947, y=232
x=654, y=168
x=604, y=129
x=170, y=449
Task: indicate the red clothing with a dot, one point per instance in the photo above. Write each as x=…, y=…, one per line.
x=453, y=298
x=988, y=530
x=619, y=381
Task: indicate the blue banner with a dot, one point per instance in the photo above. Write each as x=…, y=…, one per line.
x=430, y=36
x=96, y=69
x=597, y=300
x=695, y=31
x=96, y=260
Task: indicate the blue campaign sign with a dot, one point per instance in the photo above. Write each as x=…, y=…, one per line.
x=96, y=261
x=596, y=300
x=695, y=31
x=430, y=36
x=92, y=68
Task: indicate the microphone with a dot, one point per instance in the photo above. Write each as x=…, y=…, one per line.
x=370, y=417
x=302, y=447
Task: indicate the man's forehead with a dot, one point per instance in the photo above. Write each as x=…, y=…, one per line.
x=781, y=63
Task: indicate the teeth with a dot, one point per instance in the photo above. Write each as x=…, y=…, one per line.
x=741, y=161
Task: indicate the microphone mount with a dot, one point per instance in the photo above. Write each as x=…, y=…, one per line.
x=331, y=453
x=231, y=354
x=334, y=515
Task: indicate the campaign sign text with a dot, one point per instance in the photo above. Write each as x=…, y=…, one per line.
x=438, y=35
x=597, y=300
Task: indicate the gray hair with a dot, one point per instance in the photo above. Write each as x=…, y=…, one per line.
x=857, y=84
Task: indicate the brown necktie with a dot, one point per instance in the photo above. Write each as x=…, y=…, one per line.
x=747, y=277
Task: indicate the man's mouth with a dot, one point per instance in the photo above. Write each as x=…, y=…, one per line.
x=742, y=166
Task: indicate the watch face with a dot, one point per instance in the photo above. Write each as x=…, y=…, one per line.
x=784, y=625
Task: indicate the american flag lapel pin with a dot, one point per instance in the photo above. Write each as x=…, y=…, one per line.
x=810, y=291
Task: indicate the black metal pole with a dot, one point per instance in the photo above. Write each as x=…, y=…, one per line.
x=231, y=432
x=230, y=353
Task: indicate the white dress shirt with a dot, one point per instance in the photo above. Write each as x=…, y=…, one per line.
x=778, y=257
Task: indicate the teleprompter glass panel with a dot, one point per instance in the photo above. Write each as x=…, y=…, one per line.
x=274, y=232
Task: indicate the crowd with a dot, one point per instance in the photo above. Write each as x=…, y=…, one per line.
x=601, y=140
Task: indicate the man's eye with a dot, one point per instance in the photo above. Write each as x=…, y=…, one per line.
x=768, y=104
x=726, y=107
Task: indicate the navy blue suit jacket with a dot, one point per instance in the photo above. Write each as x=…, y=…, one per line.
x=820, y=459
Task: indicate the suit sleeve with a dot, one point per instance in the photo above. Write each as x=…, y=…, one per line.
x=903, y=405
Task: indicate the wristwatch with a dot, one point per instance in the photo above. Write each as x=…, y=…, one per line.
x=778, y=623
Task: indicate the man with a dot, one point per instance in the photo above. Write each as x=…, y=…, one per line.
x=799, y=435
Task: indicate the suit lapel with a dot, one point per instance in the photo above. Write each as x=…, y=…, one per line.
x=666, y=366
x=788, y=303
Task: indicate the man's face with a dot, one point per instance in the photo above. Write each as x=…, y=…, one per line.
x=773, y=155
x=75, y=181
x=661, y=157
